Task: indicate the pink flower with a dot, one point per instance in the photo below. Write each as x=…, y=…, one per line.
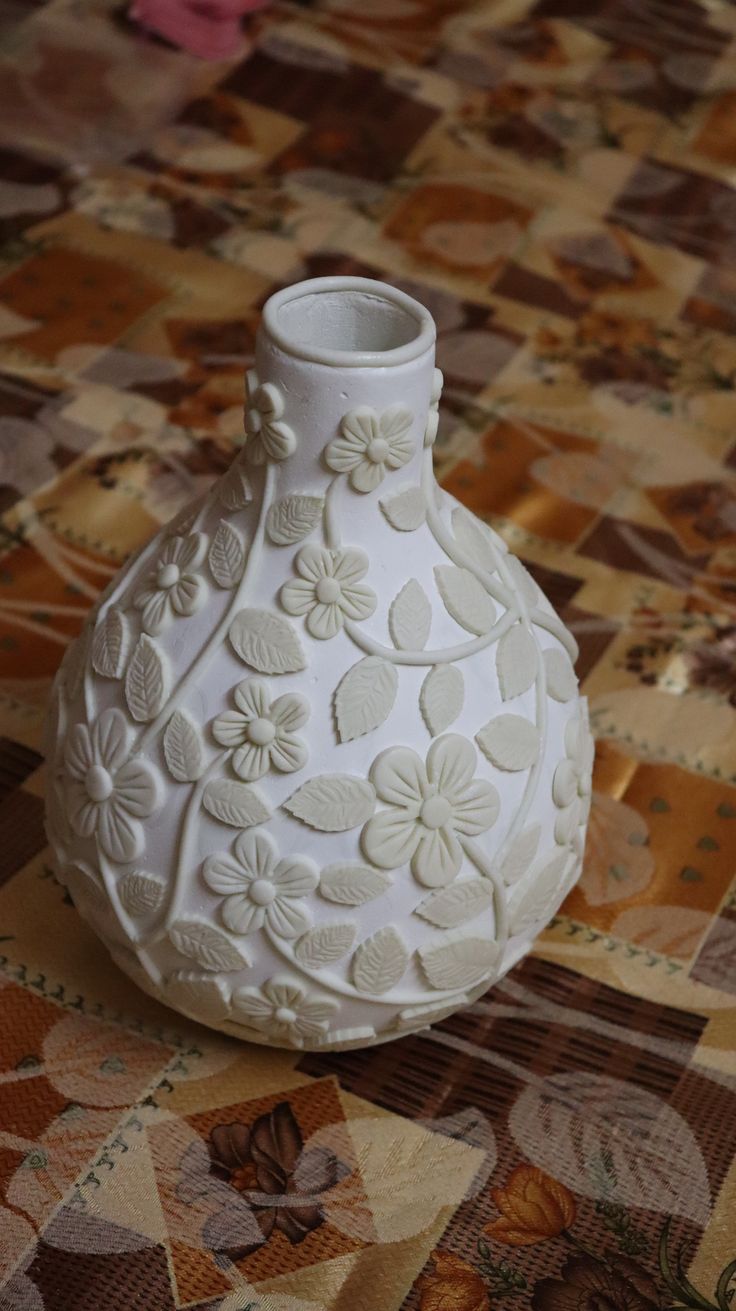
x=208, y=28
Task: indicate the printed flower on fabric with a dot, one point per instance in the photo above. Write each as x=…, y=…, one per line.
x=173, y=587
x=433, y=417
x=452, y=1286
x=262, y=730
x=107, y=794
x=426, y=807
x=259, y=889
x=329, y=589
x=618, y=1284
x=268, y=437
x=571, y=782
x=370, y=445
x=284, y=1009
x=533, y=1207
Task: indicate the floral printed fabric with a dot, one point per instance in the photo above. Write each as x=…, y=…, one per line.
x=556, y=181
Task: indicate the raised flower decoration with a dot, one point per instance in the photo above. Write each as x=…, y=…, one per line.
x=262, y=730
x=269, y=438
x=433, y=417
x=571, y=782
x=259, y=889
x=284, y=1010
x=533, y=1207
x=371, y=444
x=173, y=587
x=427, y=806
x=329, y=589
x=108, y=794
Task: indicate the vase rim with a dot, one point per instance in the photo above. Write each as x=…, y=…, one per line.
x=301, y=318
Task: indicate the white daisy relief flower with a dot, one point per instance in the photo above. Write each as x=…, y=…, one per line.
x=262, y=730
x=433, y=417
x=329, y=589
x=571, y=781
x=260, y=889
x=173, y=587
x=370, y=445
x=427, y=806
x=269, y=438
x=283, y=1008
x=108, y=794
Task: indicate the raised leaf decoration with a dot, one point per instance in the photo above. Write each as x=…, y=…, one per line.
x=523, y=581
x=234, y=490
x=410, y=617
x=227, y=555
x=110, y=644
x=147, y=680
x=457, y=904
x=474, y=539
x=380, y=962
x=520, y=854
x=140, y=894
x=406, y=510
x=365, y=697
x=649, y=1152
x=323, y=945
x=266, y=642
x=510, y=742
x=441, y=697
x=516, y=662
x=238, y=804
x=333, y=803
x=561, y=681
x=208, y=946
x=293, y=518
x=352, y=885
x=183, y=747
x=458, y=962
x=465, y=598
x=534, y=901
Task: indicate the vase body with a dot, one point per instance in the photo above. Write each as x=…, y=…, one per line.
x=318, y=766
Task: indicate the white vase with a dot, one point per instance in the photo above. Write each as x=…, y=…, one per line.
x=319, y=770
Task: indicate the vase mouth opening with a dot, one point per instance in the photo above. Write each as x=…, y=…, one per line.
x=348, y=322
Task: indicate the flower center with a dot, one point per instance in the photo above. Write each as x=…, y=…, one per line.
x=285, y=1015
x=98, y=783
x=377, y=450
x=261, y=732
x=167, y=575
x=435, y=812
x=327, y=591
x=262, y=892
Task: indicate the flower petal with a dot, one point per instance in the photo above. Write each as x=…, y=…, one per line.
x=257, y=1009
x=288, y=752
x=395, y=423
x=156, y=613
x=287, y=917
x=284, y=991
x=344, y=453
x=350, y=565
x=251, y=762
x=241, y=915
x=297, y=597
x=290, y=711
x=187, y=595
x=451, y=762
x=83, y=813
x=110, y=740
x=367, y=476
x=357, y=601
x=278, y=440
x=477, y=809
x=315, y=562
x=253, y=697
x=230, y=729
x=256, y=853
x=191, y=552
x=438, y=857
x=399, y=777
x=136, y=789
x=78, y=753
x=120, y=837
x=293, y=878
x=225, y=875
x=390, y=838
x=324, y=620
x=360, y=426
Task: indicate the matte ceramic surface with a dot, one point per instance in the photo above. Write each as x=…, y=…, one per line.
x=319, y=767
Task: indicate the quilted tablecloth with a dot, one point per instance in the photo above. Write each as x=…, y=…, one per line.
x=555, y=180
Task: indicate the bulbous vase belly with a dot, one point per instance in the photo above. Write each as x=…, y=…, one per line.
x=319, y=769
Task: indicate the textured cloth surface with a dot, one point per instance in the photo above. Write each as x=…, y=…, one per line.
x=555, y=180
